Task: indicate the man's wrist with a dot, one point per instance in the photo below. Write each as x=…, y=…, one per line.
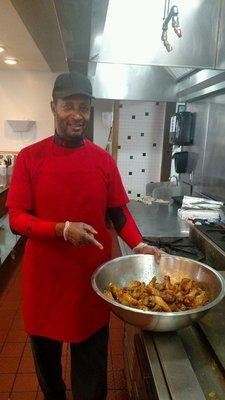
x=59, y=229
x=139, y=246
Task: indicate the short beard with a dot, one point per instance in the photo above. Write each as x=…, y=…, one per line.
x=76, y=138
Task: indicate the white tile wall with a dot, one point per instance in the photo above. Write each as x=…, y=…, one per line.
x=140, y=144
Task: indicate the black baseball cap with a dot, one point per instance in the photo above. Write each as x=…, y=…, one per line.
x=71, y=83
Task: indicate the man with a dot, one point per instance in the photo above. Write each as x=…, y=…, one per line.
x=62, y=190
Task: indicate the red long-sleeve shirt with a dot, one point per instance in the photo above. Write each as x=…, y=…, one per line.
x=53, y=184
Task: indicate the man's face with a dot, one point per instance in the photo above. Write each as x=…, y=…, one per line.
x=71, y=116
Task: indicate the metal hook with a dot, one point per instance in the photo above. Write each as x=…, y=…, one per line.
x=165, y=41
x=172, y=14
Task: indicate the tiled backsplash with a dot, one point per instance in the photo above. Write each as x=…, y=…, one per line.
x=140, y=144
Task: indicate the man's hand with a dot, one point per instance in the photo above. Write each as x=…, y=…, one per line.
x=79, y=234
x=143, y=248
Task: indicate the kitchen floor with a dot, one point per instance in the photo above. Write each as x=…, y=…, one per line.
x=17, y=376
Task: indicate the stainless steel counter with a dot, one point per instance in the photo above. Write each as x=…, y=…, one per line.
x=158, y=220
x=188, y=364
x=7, y=239
x=191, y=360
x=184, y=365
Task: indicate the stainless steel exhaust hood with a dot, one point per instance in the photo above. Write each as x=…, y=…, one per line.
x=129, y=31
x=133, y=82
x=125, y=54
x=132, y=34
x=118, y=42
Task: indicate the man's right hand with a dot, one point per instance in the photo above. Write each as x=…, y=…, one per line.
x=79, y=234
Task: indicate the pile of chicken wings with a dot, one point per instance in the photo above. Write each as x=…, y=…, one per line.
x=160, y=296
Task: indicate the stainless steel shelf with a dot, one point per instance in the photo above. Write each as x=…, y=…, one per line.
x=7, y=239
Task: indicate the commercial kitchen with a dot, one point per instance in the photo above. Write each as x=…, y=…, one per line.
x=157, y=69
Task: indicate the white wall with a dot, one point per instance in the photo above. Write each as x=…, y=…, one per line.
x=101, y=131
x=25, y=95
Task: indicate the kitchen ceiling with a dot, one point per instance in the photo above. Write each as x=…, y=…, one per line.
x=41, y=21
x=18, y=42
x=62, y=30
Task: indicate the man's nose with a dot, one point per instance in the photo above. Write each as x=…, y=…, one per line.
x=76, y=114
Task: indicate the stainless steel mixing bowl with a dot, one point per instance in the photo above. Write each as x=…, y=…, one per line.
x=122, y=270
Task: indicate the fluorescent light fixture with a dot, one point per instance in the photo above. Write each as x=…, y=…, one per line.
x=1, y=49
x=10, y=61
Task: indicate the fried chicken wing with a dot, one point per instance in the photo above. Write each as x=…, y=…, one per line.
x=108, y=294
x=162, y=304
x=200, y=300
x=186, y=285
x=126, y=299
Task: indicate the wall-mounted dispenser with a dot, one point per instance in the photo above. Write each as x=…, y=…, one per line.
x=181, y=162
x=182, y=129
x=21, y=125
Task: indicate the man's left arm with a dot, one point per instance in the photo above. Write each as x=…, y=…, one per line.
x=121, y=217
x=127, y=229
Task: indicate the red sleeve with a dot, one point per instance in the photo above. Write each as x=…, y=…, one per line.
x=130, y=232
x=117, y=195
x=20, y=203
x=28, y=225
x=20, y=194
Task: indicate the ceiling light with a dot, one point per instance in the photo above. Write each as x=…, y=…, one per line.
x=1, y=49
x=10, y=61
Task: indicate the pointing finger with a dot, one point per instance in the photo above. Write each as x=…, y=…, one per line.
x=90, y=238
x=96, y=243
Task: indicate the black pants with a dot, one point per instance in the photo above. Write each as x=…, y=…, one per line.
x=88, y=367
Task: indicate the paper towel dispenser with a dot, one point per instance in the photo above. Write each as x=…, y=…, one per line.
x=182, y=128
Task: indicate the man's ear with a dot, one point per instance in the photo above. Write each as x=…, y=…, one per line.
x=53, y=107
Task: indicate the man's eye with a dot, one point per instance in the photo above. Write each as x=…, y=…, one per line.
x=67, y=107
x=85, y=109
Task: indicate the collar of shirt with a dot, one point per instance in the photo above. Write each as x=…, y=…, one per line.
x=64, y=143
